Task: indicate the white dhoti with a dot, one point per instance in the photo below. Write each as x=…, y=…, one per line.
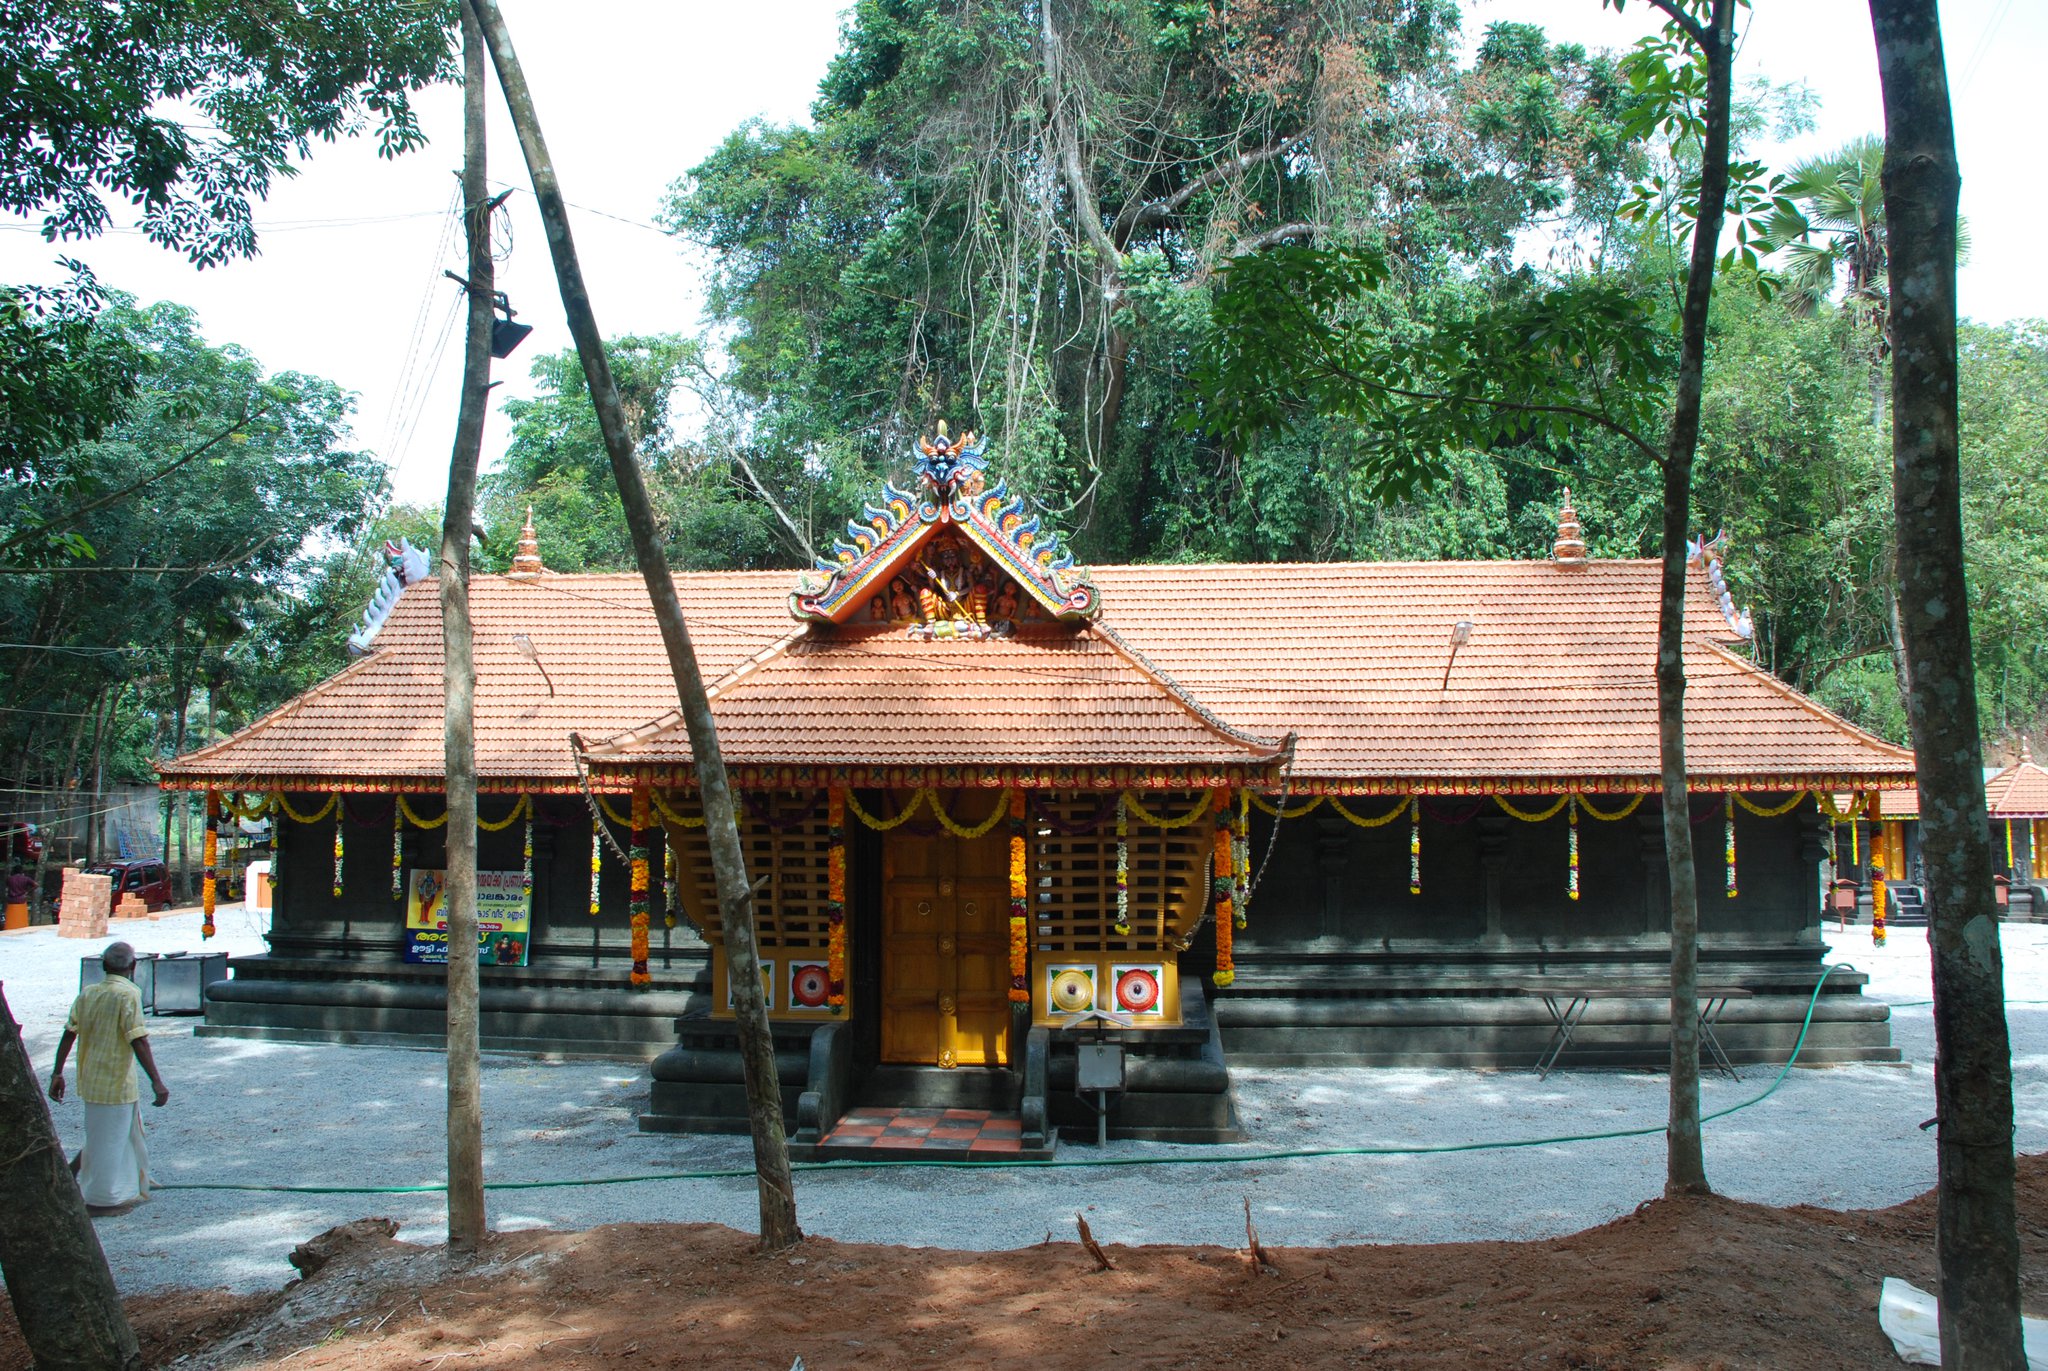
x=114, y=1167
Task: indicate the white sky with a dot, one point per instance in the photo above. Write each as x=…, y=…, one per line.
x=632, y=93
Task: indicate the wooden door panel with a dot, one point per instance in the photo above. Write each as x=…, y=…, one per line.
x=946, y=950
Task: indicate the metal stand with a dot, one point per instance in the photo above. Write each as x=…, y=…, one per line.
x=1099, y=1068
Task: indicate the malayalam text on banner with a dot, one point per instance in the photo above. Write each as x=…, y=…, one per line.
x=501, y=918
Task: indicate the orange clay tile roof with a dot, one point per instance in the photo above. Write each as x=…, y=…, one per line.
x=1047, y=697
x=1556, y=682
x=2018, y=792
x=1200, y=663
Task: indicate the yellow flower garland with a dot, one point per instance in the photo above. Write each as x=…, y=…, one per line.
x=1775, y=810
x=1635, y=803
x=519, y=811
x=1267, y=806
x=333, y=800
x=885, y=825
x=1151, y=820
x=637, y=886
x=415, y=820
x=1382, y=821
x=1527, y=817
x=959, y=830
x=679, y=820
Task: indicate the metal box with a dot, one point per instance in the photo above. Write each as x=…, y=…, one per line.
x=181, y=980
x=1099, y=1066
x=90, y=972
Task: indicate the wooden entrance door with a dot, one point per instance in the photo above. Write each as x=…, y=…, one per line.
x=946, y=949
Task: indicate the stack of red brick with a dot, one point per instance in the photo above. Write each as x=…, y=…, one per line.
x=82, y=912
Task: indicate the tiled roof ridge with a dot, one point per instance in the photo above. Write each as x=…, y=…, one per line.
x=670, y=719
x=376, y=656
x=1809, y=704
x=1181, y=696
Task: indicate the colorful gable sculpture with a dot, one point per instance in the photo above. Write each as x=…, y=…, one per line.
x=1298, y=813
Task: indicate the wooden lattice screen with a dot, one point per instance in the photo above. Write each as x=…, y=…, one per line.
x=786, y=839
x=1074, y=875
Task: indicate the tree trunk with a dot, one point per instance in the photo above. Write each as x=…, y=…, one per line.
x=57, y=1276
x=466, y=1216
x=1685, y=1159
x=1978, y=1231
x=728, y=862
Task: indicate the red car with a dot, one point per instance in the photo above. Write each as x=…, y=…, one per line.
x=143, y=877
x=20, y=843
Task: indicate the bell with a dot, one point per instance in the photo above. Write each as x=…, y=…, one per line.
x=506, y=335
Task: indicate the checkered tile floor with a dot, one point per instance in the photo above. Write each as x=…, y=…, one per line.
x=972, y=1133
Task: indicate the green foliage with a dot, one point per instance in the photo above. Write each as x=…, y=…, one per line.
x=207, y=579
x=90, y=93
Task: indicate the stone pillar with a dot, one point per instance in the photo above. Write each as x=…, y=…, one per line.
x=1650, y=847
x=1493, y=860
x=1333, y=864
x=1814, y=839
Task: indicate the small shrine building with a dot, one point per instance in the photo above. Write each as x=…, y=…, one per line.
x=1317, y=813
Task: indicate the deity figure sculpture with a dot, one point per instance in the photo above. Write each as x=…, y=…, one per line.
x=902, y=605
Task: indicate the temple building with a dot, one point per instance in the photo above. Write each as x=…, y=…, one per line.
x=996, y=804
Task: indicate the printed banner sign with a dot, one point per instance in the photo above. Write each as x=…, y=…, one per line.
x=502, y=918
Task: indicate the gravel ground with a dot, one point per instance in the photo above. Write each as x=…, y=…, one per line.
x=273, y=1113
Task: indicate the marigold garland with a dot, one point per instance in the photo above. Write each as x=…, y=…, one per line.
x=333, y=803
x=520, y=810
x=960, y=830
x=1571, y=883
x=637, y=888
x=210, y=854
x=836, y=798
x=596, y=863
x=1122, y=926
x=340, y=823
x=1773, y=811
x=1635, y=803
x=1414, y=845
x=397, y=852
x=1020, y=985
x=1880, y=867
x=671, y=898
x=1399, y=809
x=1151, y=820
x=1226, y=913
x=1277, y=812
x=679, y=820
x=1728, y=839
x=1526, y=816
x=885, y=825
x=415, y=820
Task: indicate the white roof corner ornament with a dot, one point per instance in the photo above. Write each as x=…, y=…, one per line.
x=403, y=565
x=1708, y=553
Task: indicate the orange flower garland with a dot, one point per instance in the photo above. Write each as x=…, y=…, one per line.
x=1880, y=867
x=835, y=899
x=211, y=857
x=1226, y=913
x=642, y=820
x=1020, y=908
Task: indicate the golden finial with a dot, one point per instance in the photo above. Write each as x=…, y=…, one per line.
x=526, y=558
x=1570, y=549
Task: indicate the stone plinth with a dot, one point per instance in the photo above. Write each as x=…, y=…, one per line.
x=83, y=909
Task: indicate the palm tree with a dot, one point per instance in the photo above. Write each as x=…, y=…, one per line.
x=1835, y=227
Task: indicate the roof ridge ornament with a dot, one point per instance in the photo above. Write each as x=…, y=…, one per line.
x=1706, y=553
x=403, y=565
x=526, y=557
x=1569, y=551
x=882, y=547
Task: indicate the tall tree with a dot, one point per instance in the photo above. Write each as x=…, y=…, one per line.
x=728, y=862
x=1977, y=1220
x=466, y=1216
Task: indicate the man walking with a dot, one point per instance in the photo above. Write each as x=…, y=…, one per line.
x=106, y=1023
